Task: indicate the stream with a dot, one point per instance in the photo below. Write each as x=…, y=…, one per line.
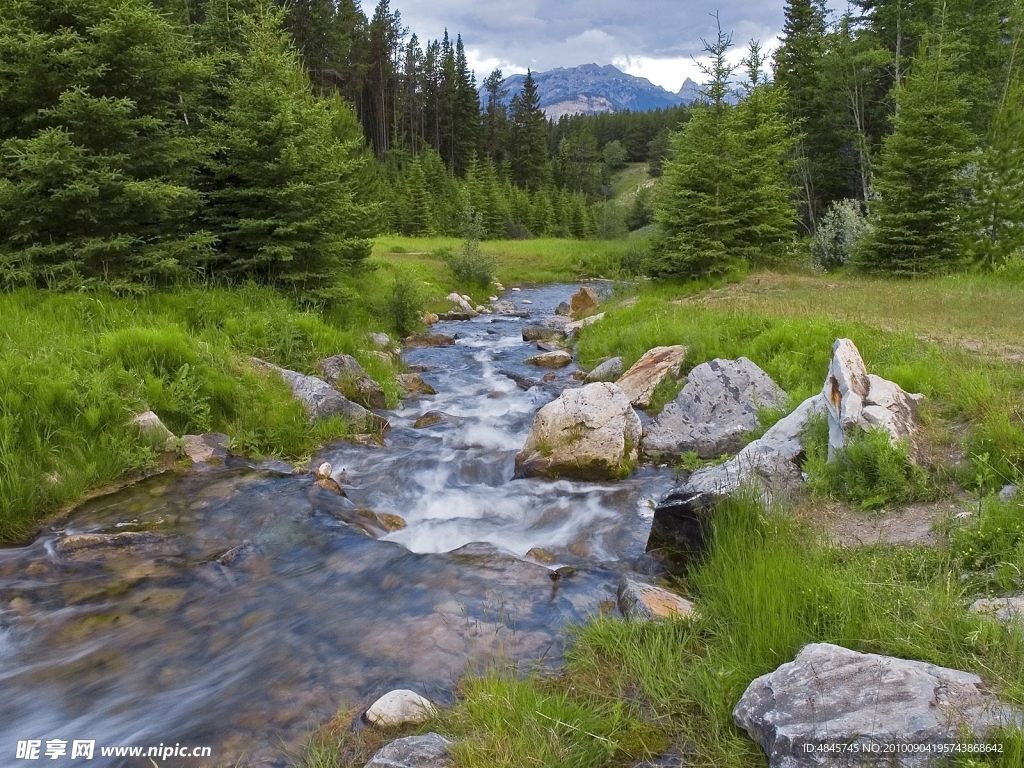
x=244, y=606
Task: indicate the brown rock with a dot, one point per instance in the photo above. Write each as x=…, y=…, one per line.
x=413, y=384
x=656, y=365
x=583, y=302
x=418, y=340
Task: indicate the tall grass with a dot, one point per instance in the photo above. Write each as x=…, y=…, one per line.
x=74, y=368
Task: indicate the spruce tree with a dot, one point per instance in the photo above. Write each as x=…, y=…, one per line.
x=765, y=211
x=97, y=155
x=529, y=137
x=283, y=179
x=997, y=211
x=695, y=211
x=920, y=179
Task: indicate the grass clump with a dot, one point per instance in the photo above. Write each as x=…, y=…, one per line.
x=869, y=471
x=990, y=546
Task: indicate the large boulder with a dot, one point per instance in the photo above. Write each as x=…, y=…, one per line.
x=590, y=433
x=715, y=411
x=769, y=466
x=344, y=373
x=640, y=601
x=321, y=401
x=829, y=695
x=656, y=365
x=583, y=302
x=858, y=400
x=427, y=751
x=400, y=707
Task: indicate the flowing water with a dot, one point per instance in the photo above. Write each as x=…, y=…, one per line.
x=240, y=606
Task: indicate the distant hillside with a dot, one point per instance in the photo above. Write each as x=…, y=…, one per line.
x=591, y=89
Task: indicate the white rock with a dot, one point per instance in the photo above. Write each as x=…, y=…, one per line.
x=153, y=430
x=400, y=707
x=324, y=471
x=463, y=303
x=858, y=400
x=573, y=328
x=590, y=433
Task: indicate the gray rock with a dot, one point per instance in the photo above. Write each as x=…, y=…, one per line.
x=1005, y=609
x=859, y=400
x=590, y=433
x=563, y=309
x=1007, y=493
x=399, y=707
x=714, y=412
x=345, y=374
x=508, y=309
x=153, y=431
x=462, y=304
x=645, y=602
x=832, y=695
x=573, y=328
x=77, y=542
x=523, y=382
x=656, y=365
x=380, y=341
x=609, y=370
x=556, y=359
x=427, y=751
x=548, y=329
x=321, y=401
x=769, y=465
x=208, y=448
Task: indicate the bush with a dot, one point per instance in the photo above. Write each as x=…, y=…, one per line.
x=839, y=232
x=869, y=471
x=405, y=305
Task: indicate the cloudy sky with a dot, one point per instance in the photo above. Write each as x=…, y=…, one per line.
x=656, y=39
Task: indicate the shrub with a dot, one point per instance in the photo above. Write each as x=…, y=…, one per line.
x=405, y=305
x=869, y=471
x=839, y=232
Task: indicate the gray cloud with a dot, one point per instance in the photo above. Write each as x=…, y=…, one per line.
x=658, y=36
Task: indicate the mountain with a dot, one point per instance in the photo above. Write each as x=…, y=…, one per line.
x=689, y=93
x=590, y=89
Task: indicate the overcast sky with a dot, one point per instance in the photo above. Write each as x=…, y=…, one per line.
x=656, y=39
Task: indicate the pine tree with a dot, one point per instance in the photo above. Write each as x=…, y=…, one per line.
x=920, y=177
x=283, y=181
x=96, y=162
x=529, y=137
x=695, y=210
x=495, y=122
x=997, y=211
x=465, y=111
x=417, y=217
x=765, y=213
x=811, y=105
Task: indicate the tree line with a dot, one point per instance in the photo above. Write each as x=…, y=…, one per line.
x=892, y=136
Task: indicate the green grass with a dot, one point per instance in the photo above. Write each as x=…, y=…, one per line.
x=75, y=368
x=518, y=262
x=626, y=182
